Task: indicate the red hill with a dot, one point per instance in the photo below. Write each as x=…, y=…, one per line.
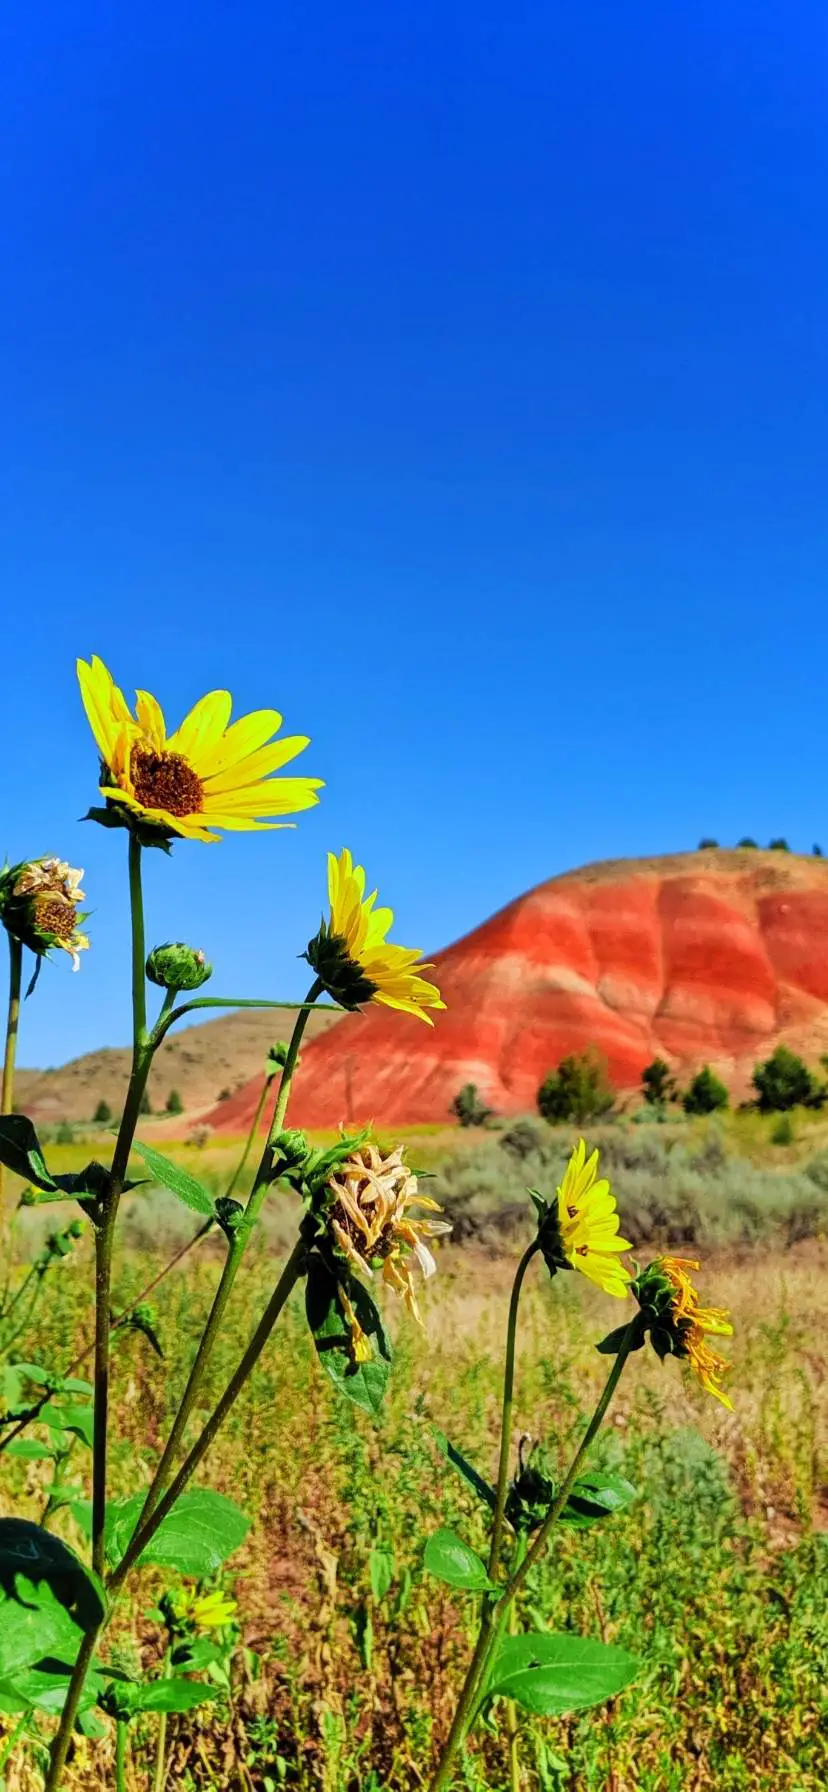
x=706, y=957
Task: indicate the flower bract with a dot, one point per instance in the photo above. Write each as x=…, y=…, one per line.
x=210, y=773
x=354, y=959
x=679, y=1325
x=588, y=1223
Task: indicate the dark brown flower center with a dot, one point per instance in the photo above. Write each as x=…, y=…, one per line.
x=384, y=1244
x=165, y=781
x=51, y=914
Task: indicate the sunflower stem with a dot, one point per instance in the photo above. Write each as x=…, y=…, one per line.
x=120, y=1755
x=142, y=1051
x=236, y=1249
x=10, y=1053
x=240, y=1002
x=506, y=1410
x=495, y=1615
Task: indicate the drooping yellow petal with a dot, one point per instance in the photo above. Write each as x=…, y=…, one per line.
x=202, y=728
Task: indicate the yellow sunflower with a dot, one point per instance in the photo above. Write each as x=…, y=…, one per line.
x=588, y=1222
x=204, y=1611
x=693, y=1324
x=208, y=774
x=355, y=961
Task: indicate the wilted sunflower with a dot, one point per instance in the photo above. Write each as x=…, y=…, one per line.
x=588, y=1222
x=208, y=774
x=368, y=1213
x=40, y=906
x=353, y=958
x=679, y=1326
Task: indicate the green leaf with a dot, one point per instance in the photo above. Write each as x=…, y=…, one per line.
x=48, y=1564
x=450, y=1559
x=77, y=1419
x=196, y=1537
x=465, y=1468
x=380, y=1572
x=33, y=1452
x=33, y=1624
x=173, y=1694
x=45, y=1688
x=551, y=1674
x=193, y=1656
x=363, y=1383
x=20, y=1151
x=595, y=1496
x=179, y=1181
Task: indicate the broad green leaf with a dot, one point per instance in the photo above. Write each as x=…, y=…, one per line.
x=465, y=1468
x=551, y=1674
x=363, y=1383
x=34, y=1452
x=450, y=1559
x=20, y=1151
x=33, y=1625
x=595, y=1496
x=192, y=1657
x=42, y=1689
x=179, y=1181
x=380, y=1572
x=77, y=1419
x=196, y=1537
x=49, y=1565
x=173, y=1694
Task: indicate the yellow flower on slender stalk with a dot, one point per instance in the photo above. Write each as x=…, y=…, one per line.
x=204, y=1611
x=588, y=1222
x=371, y=1224
x=692, y=1324
x=208, y=774
x=352, y=956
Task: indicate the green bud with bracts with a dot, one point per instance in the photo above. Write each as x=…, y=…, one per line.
x=176, y=966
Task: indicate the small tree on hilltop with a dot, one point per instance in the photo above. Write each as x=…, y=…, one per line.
x=746, y=841
x=102, y=1114
x=780, y=845
x=578, y=1090
x=706, y=1093
x=658, y=1083
x=784, y=1081
x=145, y=1106
x=468, y=1107
x=174, y=1104
x=705, y=844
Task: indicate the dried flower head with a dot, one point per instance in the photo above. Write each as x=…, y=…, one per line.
x=369, y=1217
x=40, y=906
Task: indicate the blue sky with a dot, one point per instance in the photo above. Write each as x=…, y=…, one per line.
x=451, y=377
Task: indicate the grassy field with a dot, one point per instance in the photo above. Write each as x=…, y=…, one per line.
x=716, y=1577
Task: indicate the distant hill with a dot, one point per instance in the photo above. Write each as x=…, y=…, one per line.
x=199, y=1061
x=711, y=956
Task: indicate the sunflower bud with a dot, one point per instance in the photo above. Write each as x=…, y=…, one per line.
x=530, y=1494
x=176, y=966
x=290, y=1150
x=340, y=975
x=40, y=906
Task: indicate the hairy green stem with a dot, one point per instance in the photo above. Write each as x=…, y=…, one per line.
x=506, y=1412
x=10, y=1053
x=235, y=1252
x=142, y=1050
x=495, y=1614
x=244, y=1002
x=294, y=1268
x=120, y=1755
x=160, y=1772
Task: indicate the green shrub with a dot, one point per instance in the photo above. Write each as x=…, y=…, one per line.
x=747, y=841
x=174, y=1104
x=779, y=845
x=65, y=1133
x=705, y=843
x=145, y=1107
x=706, y=1093
x=658, y=1083
x=468, y=1107
x=784, y=1081
x=102, y=1114
x=578, y=1090
x=782, y=1132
